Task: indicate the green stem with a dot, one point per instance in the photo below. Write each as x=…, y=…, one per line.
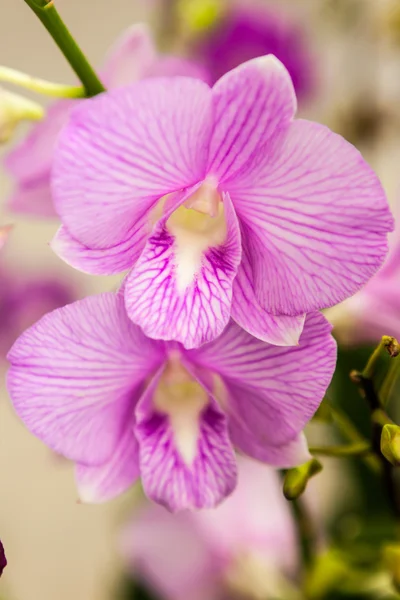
x=48, y=15
x=389, y=382
x=356, y=449
x=41, y=86
x=350, y=433
x=305, y=532
x=387, y=345
x=379, y=419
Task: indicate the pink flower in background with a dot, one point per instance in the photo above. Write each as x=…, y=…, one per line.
x=3, y=560
x=219, y=203
x=375, y=310
x=94, y=388
x=248, y=29
x=24, y=299
x=132, y=57
x=244, y=548
x=4, y=233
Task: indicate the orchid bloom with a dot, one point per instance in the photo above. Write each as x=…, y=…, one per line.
x=244, y=548
x=374, y=310
x=95, y=389
x=219, y=203
x=247, y=29
x=132, y=57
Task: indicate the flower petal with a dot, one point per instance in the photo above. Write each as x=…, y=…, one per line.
x=106, y=481
x=252, y=104
x=129, y=58
x=246, y=310
x=102, y=261
x=122, y=150
x=318, y=219
x=166, y=551
x=32, y=159
x=196, y=311
x=276, y=390
x=3, y=560
x=29, y=163
x=168, y=477
x=74, y=376
x=33, y=199
x=285, y=456
x=172, y=66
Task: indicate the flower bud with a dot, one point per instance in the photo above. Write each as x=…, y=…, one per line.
x=390, y=443
x=13, y=109
x=3, y=560
x=296, y=479
x=391, y=555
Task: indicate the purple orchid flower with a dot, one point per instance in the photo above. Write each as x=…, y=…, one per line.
x=219, y=203
x=3, y=560
x=248, y=29
x=242, y=549
x=94, y=388
x=132, y=57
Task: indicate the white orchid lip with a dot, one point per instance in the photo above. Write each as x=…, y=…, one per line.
x=182, y=399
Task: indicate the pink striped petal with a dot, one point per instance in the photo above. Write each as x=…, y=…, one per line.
x=151, y=139
x=275, y=391
x=198, y=310
x=318, y=218
x=246, y=310
x=112, y=478
x=252, y=104
x=102, y=261
x=75, y=375
x=169, y=477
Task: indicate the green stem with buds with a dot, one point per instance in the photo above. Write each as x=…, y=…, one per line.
x=48, y=15
x=379, y=418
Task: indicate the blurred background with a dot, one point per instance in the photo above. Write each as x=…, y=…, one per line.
x=344, y=58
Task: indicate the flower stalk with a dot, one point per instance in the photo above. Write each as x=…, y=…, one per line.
x=48, y=15
x=379, y=418
x=356, y=449
x=306, y=534
x=357, y=442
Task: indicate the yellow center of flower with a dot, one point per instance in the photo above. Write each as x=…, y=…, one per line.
x=180, y=397
x=196, y=226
